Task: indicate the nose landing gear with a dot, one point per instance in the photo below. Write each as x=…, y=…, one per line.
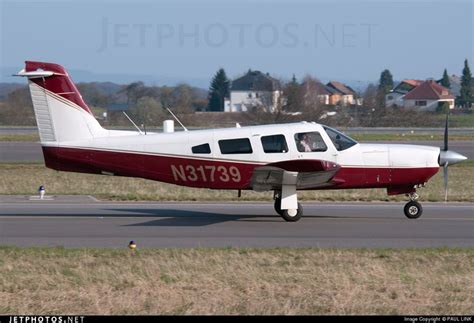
x=413, y=209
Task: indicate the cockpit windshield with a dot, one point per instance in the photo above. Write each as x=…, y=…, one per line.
x=340, y=141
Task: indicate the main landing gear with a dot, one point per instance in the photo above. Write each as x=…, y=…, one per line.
x=290, y=215
x=413, y=209
x=286, y=200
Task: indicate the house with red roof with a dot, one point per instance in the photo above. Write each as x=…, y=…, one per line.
x=428, y=96
x=395, y=97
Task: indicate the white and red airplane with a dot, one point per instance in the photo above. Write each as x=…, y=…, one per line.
x=283, y=158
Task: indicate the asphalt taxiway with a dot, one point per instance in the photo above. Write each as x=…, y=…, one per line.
x=86, y=222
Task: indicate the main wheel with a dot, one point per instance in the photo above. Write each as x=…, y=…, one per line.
x=413, y=210
x=292, y=215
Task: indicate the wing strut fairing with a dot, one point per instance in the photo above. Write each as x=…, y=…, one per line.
x=303, y=174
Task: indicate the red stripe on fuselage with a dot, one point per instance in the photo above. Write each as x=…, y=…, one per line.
x=211, y=173
x=379, y=177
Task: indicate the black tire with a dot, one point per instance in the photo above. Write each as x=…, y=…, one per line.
x=413, y=210
x=289, y=217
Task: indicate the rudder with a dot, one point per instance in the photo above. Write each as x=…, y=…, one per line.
x=61, y=113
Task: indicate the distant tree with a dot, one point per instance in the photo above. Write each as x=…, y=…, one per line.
x=443, y=107
x=182, y=99
x=369, y=97
x=465, y=97
x=373, y=103
x=200, y=104
x=17, y=109
x=445, y=80
x=218, y=91
x=294, y=96
x=148, y=111
x=166, y=96
x=151, y=91
x=134, y=91
x=386, y=82
x=312, y=102
x=385, y=86
x=92, y=96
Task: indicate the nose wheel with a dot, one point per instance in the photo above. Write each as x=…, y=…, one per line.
x=413, y=209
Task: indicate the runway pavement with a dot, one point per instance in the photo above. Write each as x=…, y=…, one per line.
x=11, y=151
x=86, y=222
x=31, y=151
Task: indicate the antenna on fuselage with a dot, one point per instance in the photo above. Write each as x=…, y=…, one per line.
x=129, y=119
x=176, y=118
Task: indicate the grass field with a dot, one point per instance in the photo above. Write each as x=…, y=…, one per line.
x=20, y=137
x=24, y=179
x=236, y=281
x=462, y=120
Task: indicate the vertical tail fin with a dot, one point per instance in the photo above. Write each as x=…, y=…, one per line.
x=61, y=113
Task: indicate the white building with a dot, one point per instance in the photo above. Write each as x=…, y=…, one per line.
x=254, y=89
x=428, y=96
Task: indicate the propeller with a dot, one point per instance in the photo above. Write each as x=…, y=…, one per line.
x=445, y=167
x=448, y=158
x=445, y=175
x=446, y=132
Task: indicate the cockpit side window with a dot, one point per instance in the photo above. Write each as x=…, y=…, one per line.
x=201, y=149
x=340, y=141
x=310, y=142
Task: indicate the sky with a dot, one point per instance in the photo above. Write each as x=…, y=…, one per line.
x=166, y=42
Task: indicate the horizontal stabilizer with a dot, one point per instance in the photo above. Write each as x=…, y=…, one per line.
x=35, y=74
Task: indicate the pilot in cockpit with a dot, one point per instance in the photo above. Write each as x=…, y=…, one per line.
x=304, y=143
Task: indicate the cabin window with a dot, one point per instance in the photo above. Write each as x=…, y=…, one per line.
x=274, y=144
x=235, y=146
x=310, y=142
x=201, y=149
x=340, y=141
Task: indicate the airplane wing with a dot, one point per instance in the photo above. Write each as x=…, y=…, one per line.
x=304, y=174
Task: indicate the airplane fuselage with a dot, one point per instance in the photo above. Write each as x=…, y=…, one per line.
x=205, y=158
